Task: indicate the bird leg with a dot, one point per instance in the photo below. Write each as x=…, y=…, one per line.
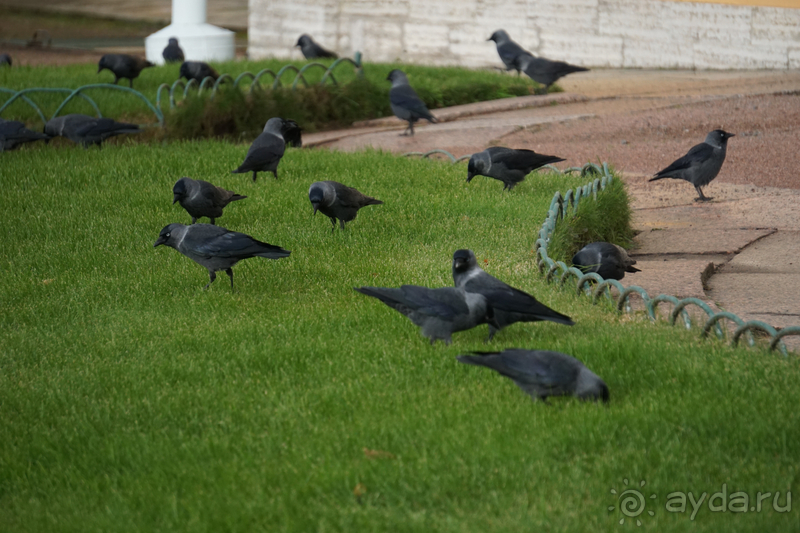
x=194, y=220
x=212, y=221
x=275, y=172
x=333, y=221
x=212, y=276
x=410, y=129
x=130, y=80
x=255, y=175
x=703, y=198
x=341, y=224
x=229, y=272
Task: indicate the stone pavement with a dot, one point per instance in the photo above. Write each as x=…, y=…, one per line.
x=739, y=253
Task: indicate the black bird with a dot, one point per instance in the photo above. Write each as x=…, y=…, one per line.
x=507, y=165
x=216, y=248
x=542, y=373
x=510, y=305
x=337, y=201
x=201, y=198
x=311, y=50
x=86, y=130
x=608, y=260
x=701, y=164
x=539, y=69
x=266, y=151
x=123, y=66
x=5, y=60
x=198, y=71
x=173, y=53
x=13, y=133
x=405, y=103
x=439, y=312
x=292, y=133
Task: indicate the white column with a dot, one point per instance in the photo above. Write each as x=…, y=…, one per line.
x=199, y=41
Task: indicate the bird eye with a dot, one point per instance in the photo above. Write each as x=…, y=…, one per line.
x=167, y=235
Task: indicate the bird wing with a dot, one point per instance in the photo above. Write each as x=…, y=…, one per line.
x=698, y=154
x=541, y=368
x=228, y=244
x=524, y=160
x=509, y=51
x=406, y=97
x=266, y=149
x=513, y=300
x=415, y=299
x=103, y=126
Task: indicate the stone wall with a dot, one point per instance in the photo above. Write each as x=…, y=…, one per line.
x=592, y=33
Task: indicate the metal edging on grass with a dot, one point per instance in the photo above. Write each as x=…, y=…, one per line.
x=557, y=211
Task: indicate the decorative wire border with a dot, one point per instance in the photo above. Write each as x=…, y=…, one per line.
x=559, y=208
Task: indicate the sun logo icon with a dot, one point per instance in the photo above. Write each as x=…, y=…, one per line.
x=632, y=503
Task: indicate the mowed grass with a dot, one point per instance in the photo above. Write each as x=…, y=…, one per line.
x=133, y=400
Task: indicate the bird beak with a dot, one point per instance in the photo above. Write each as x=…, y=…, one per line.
x=458, y=263
x=99, y=69
x=160, y=241
x=174, y=199
x=470, y=175
x=315, y=206
x=730, y=135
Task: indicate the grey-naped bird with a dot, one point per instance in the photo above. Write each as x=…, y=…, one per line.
x=311, y=50
x=13, y=133
x=216, y=248
x=539, y=69
x=510, y=305
x=5, y=60
x=338, y=201
x=123, y=66
x=607, y=260
x=86, y=130
x=439, y=312
x=701, y=164
x=541, y=373
x=507, y=165
x=201, y=198
x=266, y=151
x=173, y=53
x=405, y=103
x=198, y=71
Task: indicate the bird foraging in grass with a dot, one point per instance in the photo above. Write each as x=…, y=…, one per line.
x=202, y=199
x=86, y=130
x=338, y=201
x=123, y=66
x=541, y=373
x=607, y=260
x=507, y=165
x=701, y=164
x=266, y=151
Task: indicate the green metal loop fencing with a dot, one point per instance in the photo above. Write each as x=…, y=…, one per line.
x=562, y=204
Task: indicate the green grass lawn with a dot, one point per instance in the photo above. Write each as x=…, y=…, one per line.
x=133, y=400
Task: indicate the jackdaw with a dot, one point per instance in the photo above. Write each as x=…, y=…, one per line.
x=292, y=133
x=312, y=50
x=439, y=312
x=541, y=373
x=123, y=66
x=202, y=199
x=539, y=69
x=198, y=71
x=701, y=164
x=216, y=248
x=14, y=133
x=266, y=151
x=507, y=165
x=405, y=103
x=86, y=130
x=510, y=305
x=5, y=60
x=608, y=260
x=337, y=201
x=173, y=53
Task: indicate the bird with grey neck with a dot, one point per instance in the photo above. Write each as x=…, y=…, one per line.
x=608, y=260
x=86, y=130
x=337, y=201
x=266, y=151
x=405, y=103
x=202, y=199
x=507, y=164
x=123, y=66
x=312, y=50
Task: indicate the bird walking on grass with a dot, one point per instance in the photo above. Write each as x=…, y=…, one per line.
x=337, y=201
x=173, y=53
x=266, y=151
x=507, y=165
x=202, y=199
x=123, y=66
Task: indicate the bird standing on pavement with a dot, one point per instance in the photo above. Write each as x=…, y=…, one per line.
x=439, y=312
x=173, y=53
x=123, y=66
x=86, y=130
x=608, y=260
x=216, y=248
x=507, y=165
x=197, y=71
x=542, y=373
x=701, y=164
x=338, y=201
x=266, y=151
x=13, y=133
x=405, y=103
x=311, y=50
x=202, y=199
x=510, y=305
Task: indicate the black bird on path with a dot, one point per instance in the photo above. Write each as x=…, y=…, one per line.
x=13, y=133
x=216, y=248
x=338, y=201
x=202, y=199
x=266, y=151
x=311, y=50
x=608, y=260
x=510, y=305
x=173, y=53
x=438, y=312
x=701, y=164
x=198, y=71
x=123, y=66
x=542, y=373
x=86, y=130
x=507, y=165
x=405, y=103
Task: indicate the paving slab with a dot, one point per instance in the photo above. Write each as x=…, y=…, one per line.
x=681, y=278
x=695, y=240
x=746, y=294
x=778, y=253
